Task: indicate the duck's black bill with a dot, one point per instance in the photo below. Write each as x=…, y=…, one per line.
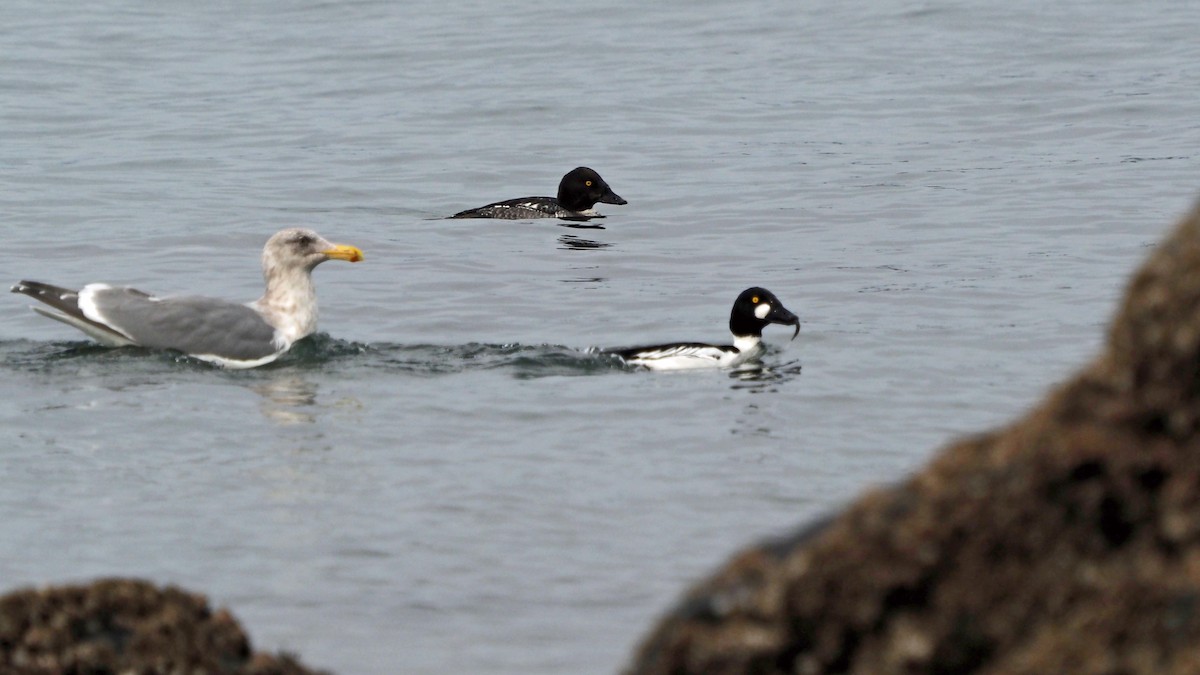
x=783, y=316
x=611, y=197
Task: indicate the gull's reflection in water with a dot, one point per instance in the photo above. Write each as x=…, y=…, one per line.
x=287, y=400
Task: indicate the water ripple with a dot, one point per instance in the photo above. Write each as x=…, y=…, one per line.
x=320, y=352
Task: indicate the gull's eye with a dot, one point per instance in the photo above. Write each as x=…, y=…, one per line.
x=304, y=240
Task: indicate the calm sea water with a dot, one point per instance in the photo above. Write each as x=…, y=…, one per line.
x=950, y=195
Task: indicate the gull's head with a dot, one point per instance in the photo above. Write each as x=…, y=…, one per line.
x=300, y=248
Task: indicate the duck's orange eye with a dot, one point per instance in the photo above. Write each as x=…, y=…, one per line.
x=588, y=183
x=754, y=299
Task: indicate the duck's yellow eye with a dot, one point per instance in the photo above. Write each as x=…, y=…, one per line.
x=588, y=183
x=754, y=299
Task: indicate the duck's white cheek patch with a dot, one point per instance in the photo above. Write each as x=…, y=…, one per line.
x=762, y=310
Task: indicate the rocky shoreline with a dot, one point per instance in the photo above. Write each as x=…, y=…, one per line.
x=123, y=626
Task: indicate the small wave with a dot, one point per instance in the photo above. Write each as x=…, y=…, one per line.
x=72, y=356
x=525, y=361
x=323, y=352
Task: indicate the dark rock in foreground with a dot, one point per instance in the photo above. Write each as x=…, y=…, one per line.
x=1068, y=542
x=128, y=627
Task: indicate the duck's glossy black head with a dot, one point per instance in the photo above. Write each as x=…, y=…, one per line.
x=755, y=309
x=582, y=187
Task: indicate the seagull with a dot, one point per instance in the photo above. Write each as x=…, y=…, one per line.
x=225, y=333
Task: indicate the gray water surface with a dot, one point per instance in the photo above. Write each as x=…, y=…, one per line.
x=950, y=195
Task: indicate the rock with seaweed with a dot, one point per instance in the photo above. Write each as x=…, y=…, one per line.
x=119, y=626
x=1068, y=541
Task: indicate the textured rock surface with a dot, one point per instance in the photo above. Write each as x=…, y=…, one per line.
x=128, y=627
x=1067, y=542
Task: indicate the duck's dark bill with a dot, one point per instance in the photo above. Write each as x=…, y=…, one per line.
x=781, y=315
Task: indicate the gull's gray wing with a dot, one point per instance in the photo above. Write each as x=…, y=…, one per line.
x=191, y=324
